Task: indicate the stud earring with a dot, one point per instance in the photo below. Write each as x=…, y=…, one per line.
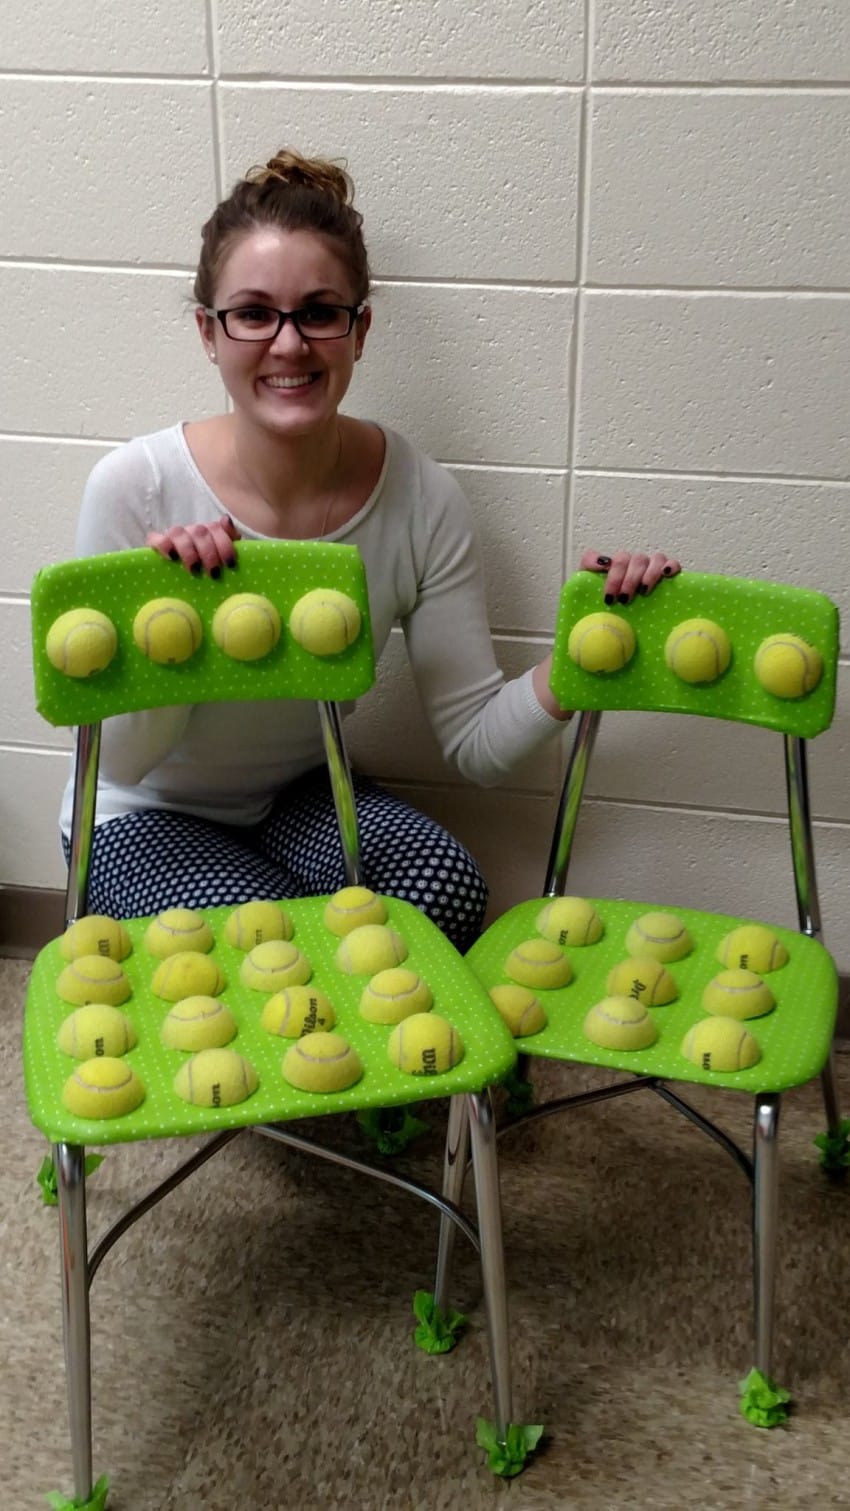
x=212, y=356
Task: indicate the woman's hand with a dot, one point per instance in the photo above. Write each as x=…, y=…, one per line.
x=629, y=572
x=201, y=548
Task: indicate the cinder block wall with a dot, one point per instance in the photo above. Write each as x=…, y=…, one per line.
x=612, y=251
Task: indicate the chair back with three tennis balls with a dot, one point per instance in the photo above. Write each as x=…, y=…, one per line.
x=643, y=986
x=671, y=993
x=725, y=647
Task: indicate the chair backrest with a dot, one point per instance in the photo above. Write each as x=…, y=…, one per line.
x=760, y=624
x=101, y=626
x=748, y=612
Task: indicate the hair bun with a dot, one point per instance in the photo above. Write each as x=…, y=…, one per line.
x=308, y=172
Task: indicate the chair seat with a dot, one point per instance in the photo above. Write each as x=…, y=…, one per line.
x=794, y=1038
x=489, y=1050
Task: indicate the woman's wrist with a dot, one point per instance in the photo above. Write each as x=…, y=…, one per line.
x=543, y=693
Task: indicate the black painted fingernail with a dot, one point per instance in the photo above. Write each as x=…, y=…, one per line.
x=175, y=556
x=603, y=561
x=215, y=572
x=231, y=562
x=624, y=598
x=609, y=598
x=195, y=568
x=643, y=589
x=667, y=571
x=228, y=519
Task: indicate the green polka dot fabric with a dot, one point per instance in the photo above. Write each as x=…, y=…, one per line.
x=748, y=611
x=458, y=997
x=794, y=1038
x=119, y=584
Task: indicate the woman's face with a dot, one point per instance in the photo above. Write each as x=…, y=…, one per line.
x=290, y=385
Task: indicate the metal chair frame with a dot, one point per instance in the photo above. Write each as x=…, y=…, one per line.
x=470, y=1120
x=762, y=1168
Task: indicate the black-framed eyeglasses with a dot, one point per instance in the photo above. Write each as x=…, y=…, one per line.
x=313, y=322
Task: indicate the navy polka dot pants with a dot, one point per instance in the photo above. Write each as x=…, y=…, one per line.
x=153, y=859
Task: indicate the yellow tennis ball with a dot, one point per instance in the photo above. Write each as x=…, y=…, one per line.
x=539, y=963
x=787, y=666
x=198, y=1023
x=351, y=908
x=93, y=978
x=322, y=1062
x=189, y=974
x=216, y=1078
x=395, y=994
x=178, y=929
x=698, y=650
x=277, y=963
x=95, y=1030
x=570, y=920
x=81, y=643
x=425, y=1045
x=601, y=643
x=661, y=936
x=519, y=1009
x=96, y=934
x=752, y=947
x=720, y=1044
x=620, y=1023
x=370, y=948
x=298, y=1010
x=246, y=626
x=255, y=923
x=167, y=630
x=738, y=994
x=643, y=979
x=325, y=622
x=104, y=1087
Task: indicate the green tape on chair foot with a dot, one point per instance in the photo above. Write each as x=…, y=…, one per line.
x=507, y=1457
x=95, y=1502
x=437, y=1331
x=762, y=1402
x=520, y=1093
x=390, y=1129
x=46, y=1177
x=835, y=1149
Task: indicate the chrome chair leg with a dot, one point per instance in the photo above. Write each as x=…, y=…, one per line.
x=454, y=1170
x=69, y=1160
x=765, y=1210
x=486, y=1170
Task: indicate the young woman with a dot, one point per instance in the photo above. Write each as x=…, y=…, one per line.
x=217, y=804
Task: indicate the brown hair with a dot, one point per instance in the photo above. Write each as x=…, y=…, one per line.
x=293, y=193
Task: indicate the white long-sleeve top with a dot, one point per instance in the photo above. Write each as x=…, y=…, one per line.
x=228, y=762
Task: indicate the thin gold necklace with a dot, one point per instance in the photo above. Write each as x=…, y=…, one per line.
x=332, y=500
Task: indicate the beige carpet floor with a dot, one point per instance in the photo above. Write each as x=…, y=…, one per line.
x=252, y=1336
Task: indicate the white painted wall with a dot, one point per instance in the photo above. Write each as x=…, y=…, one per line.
x=612, y=245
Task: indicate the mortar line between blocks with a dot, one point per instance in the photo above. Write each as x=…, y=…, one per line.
x=576, y=361
x=216, y=122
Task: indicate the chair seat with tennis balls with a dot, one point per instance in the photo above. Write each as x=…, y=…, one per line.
x=248, y=1017
x=667, y=992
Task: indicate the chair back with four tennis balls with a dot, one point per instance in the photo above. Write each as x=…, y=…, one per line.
x=129, y=631
x=207, y=1020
